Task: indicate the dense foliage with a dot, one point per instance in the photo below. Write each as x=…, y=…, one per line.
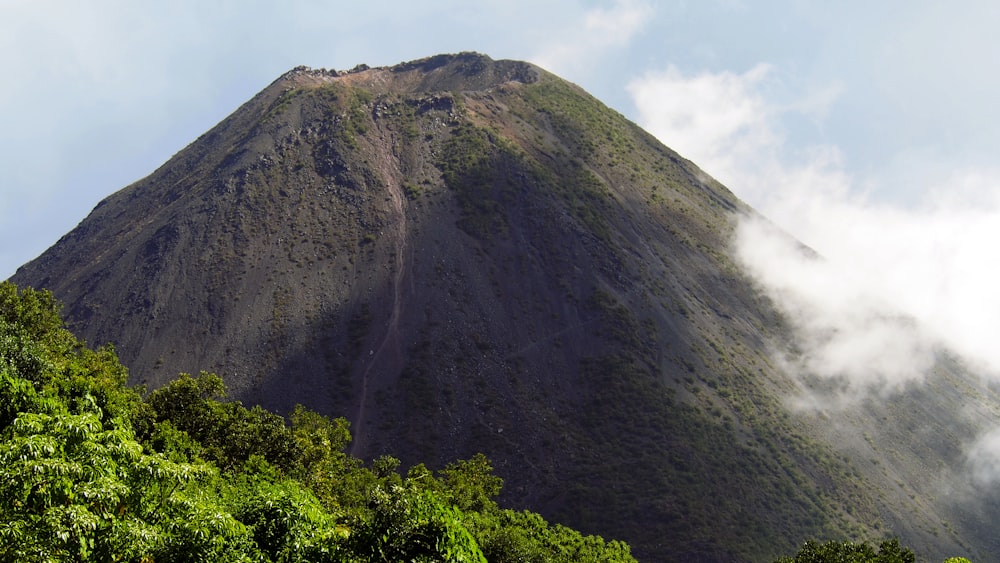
x=889, y=551
x=91, y=469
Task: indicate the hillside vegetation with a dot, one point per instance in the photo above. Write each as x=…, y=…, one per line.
x=92, y=470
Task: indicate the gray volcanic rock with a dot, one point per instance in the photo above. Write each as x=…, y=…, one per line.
x=460, y=255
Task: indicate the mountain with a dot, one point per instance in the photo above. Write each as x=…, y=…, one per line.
x=464, y=255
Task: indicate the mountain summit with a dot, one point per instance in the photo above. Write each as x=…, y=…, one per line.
x=464, y=255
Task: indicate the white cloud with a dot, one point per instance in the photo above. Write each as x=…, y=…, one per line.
x=894, y=284
x=710, y=116
x=983, y=458
x=846, y=328
x=616, y=25
x=934, y=263
x=723, y=122
x=573, y=51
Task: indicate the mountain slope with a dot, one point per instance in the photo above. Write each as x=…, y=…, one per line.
x=465, y=255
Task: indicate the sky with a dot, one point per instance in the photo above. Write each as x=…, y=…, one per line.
x=868, y=130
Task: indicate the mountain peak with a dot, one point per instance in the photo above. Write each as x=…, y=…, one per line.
x=467, y=71
x=464, y=255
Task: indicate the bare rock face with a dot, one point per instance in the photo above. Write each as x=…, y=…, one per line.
x=460, y=255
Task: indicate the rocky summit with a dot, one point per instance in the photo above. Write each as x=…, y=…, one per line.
x=465, y=255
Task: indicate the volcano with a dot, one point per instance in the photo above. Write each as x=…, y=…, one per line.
x=463, y=255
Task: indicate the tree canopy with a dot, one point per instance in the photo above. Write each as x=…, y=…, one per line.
x=888, y=551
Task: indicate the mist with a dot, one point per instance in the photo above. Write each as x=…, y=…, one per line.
x=874, y=289
x=900, y=278
x=846, y=328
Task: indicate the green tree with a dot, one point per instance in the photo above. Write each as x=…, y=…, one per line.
x=525, y=537
x=228, y=432
x=889, y=551
x=408, y=524
x=287, y=522
x=71, y=489
x=470, y=484
x=39, y=357
x=323, y=464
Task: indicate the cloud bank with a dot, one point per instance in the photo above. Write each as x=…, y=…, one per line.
x=894, y=282
x=880, y=288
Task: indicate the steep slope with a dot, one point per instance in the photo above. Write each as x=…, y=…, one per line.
x=465, y=255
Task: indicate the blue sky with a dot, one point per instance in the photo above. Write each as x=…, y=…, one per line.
x=867, y=129
x=97, y=94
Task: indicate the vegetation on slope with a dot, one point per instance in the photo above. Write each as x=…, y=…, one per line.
x=92, y=470
x=888, y=551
